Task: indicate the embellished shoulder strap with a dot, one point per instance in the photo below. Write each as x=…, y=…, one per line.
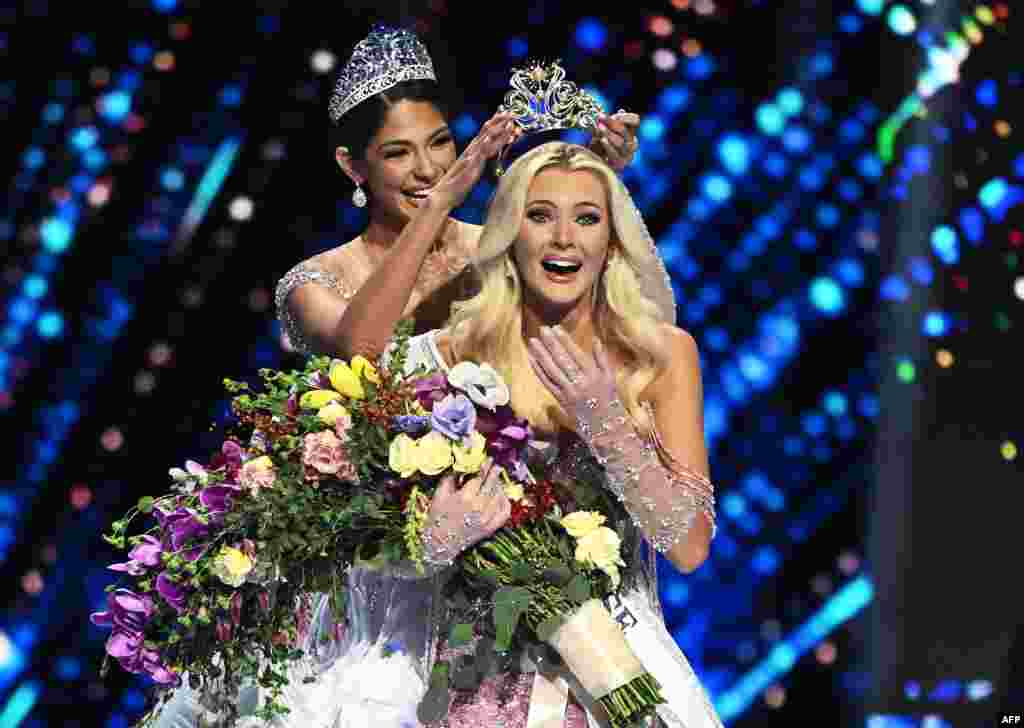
x=308, y=271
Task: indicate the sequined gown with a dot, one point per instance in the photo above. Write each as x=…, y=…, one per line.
x=373, y=672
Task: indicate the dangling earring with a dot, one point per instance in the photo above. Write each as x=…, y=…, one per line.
x=359, y=197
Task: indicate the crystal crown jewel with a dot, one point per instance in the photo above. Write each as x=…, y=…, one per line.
x=386, y=57
x=541, y=99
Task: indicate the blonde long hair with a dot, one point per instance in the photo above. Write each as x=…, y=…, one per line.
x=489, y=326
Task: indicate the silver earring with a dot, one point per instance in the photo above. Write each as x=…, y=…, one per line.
x=359, y=197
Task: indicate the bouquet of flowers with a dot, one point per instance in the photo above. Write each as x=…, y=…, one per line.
x=333, y=466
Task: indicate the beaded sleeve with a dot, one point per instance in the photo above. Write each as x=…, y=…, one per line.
x=662, y=495
x=305, y=272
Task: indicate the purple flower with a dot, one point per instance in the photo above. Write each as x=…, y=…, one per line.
x=411, y=424
x=454, y=416
x=128, y=614
x=431, y=389
x=293, y=404
x=217, y=498
x=148, y=662
x=148, y=552
x=182, y=525
x=172, y=592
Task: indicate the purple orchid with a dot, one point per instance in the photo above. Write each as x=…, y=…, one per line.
x=411, y=424
x=218, y=498
x=183, y=525
x=431, y=389
x=128, y=614
x=293, y=404
x=144, y=556
x=173, y=593
x=454, y=416
x=148, y=662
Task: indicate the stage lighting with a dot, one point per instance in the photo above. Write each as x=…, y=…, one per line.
x=591, y=35
x=50, y=325
x=827, y=296
x=734, y=154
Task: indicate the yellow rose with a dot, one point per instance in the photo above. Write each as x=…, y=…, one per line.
x=346, y=381
x=402, y=455
x=231, y=565
x=332, y=413
x=469, y=459
x=601, y=547
x=433, y=453
x=363, y=368
x=580, y=523
x=318, y=398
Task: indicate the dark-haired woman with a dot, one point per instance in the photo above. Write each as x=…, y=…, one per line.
x=391, y=138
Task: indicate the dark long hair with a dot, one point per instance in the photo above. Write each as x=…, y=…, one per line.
x=357, y=127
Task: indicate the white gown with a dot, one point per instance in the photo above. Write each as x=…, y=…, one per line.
x=376, y=674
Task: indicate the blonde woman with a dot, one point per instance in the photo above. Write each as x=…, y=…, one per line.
x=576, y=313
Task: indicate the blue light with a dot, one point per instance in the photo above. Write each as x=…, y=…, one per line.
x=850, y=272
x=141, y=54
x=652, y=128
x=715, y=417
x=50, y=325
x=811, y=178
x=165, y=6
x=517, y=47
x=765, y=560
x=770, y=119
x=465, y=126
x=34, y=286
x=717, y=188
x=56, y=234
x=814, y=424
x=95, y=160
x=821, y=64
x=673, y=99
x=835, y=403
x=734, y=505
x=936, y=323
x=756, y=370
x=790, y=101
x=805, y=240
x=698, y=208
x=675, y=592
x=827, y=215
x=20, y=704
x=871, y=7
x=776, y=165
x=894, y=288
x=987, y=93
x=993, y=192
x=1018, y=166
x=796, y=139
x=115, y=106
x=231, y=95
x=921, y=271
x=53, y=113
x=870, y=166
x=868, y=406
x=84, y=137
x=850, y=189
x=850, y=24
x=22, y=310
x=901, y=20
x=716, y=338
x=734, y=153
x=973, y=224
x=33, y=158
x=591, y=34
x=919, y=159
x=851, y=131
x=68, y=668
x=945, y=244
x=172, y=179
x=699, y=67
x=827, y=296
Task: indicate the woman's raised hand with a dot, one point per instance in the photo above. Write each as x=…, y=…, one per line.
x=459, y=517
x=498, y=132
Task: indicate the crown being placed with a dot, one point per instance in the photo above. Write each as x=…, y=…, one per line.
x=386, y=57
x=542, y=99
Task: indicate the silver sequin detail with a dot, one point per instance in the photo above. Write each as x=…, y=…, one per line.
x=305, y=272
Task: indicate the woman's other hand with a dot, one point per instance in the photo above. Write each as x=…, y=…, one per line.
x=497, y=133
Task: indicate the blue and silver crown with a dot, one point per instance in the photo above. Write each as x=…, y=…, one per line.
x=386, y=57
x=542, y=99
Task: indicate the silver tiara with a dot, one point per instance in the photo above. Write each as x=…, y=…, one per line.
x=386, y=57
x=541, y=99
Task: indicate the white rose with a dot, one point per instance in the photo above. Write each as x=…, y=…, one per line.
x=481, y=382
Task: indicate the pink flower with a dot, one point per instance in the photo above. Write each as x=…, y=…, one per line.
x=325, y=453
x=342, y=425
x=257, y=473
